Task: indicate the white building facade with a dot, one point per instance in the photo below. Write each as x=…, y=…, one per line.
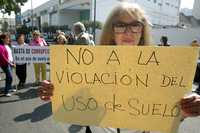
x=72, y=11
x=159, y=12
x=196, y=9
x=67, y=12
x=46, y=14
x=58, y=13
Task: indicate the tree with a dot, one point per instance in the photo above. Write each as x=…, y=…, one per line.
x=7, y=6
x=90, y=24
x=23, y=30
x=5, y=26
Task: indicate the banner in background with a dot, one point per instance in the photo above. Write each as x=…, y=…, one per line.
x=30, y=54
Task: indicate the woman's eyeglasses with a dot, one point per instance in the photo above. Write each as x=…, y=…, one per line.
x=134, y=27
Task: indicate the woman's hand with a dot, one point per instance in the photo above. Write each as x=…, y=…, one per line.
x=190, y=105
x=13, y=65
x=45, y=91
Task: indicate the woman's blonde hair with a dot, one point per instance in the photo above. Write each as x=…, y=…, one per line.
x=132, y=10
x=36, y=32
x=62, y=37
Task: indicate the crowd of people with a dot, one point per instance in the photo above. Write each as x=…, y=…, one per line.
x=126, y=25
x=79, y=36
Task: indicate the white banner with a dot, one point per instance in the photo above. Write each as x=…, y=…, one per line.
x=31, y=54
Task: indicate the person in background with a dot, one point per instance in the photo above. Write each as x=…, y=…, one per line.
x=127, y=25
x=38, y=67
x=61, y=39
x=197, y=73
x=58, y=33
x=71, y=38
x=8, y=45
x=91, y=39
x=195, y=43
x=81, y=37
x=5, y=63
x=164, y=41
x=21, y=67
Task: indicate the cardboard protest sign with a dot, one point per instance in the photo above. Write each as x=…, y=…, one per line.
x=121, y=86
x=30, y=54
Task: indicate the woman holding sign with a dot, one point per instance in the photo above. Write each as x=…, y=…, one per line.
x=21, y=67
x=127, y=25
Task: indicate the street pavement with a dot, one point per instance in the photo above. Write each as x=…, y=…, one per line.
x=24, y=112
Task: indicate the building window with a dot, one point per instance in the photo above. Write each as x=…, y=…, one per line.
x=160, y=4
x=154, y=1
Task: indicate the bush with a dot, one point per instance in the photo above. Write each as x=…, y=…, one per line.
x=90, y=24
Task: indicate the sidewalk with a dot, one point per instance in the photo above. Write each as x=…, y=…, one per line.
x=24, y=112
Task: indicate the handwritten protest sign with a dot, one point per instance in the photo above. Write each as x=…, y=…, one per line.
x=31, y=54
x=121, y=86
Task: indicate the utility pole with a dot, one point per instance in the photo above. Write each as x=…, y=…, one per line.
x=94, y=24
x=31, y=15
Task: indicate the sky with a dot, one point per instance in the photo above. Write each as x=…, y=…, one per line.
x=36, y=3
x=27, y=6
x=187, y=4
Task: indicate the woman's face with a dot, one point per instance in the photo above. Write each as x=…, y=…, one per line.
x=60, y=41
x=127, y=31
x=76, y=30
x=6, y=40
x=36, y=36
x=20, y=40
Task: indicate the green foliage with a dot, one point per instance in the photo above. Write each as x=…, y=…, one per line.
x=25, y=30
x=53, y=29
x=46, y=29
x=45, y=24
x=5, y=26
x=90, y=24
x=7, y=6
